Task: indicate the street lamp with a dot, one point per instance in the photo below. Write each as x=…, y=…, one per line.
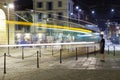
x=77, y=8
x=112, y=10
x=93, y=12
x=8, y=6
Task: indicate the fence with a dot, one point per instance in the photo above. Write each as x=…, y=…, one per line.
x=58, y=50
x=112, y=48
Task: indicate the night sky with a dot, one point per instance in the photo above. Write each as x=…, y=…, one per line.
x=101, y=7
x=23, y=4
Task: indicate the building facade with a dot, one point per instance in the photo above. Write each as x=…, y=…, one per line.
x=7, y=30
x=45, y=12
x=53, y=8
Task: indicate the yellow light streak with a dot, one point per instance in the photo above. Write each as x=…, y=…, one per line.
x=49, y=26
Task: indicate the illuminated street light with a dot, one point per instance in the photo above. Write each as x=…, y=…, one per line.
x=112, y=10
x=80, y=10
x=71, y=14
x=11, y=6
x=77, y=7
x=93, y=12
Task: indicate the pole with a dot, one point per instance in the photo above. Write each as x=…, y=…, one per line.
x=76, y=55
x=68, y=50
x=8, y=29
x=40, y=51
x=95, y=50
x=22, y=52
x=87, y=52
x=4, y=63
x=60, y=55
x=37, y=59
x=114, y=51
x=34, y=13
x=108, y=49
x=52, y=50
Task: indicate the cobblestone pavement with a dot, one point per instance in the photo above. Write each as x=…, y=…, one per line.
x=70, y=69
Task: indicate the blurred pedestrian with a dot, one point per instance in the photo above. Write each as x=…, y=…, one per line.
x=102, y=46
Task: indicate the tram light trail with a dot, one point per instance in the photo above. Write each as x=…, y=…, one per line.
x=50, y=26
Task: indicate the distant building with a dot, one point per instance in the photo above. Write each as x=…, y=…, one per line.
x=56, y=9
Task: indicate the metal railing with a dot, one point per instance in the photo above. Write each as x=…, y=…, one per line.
x=58, y=50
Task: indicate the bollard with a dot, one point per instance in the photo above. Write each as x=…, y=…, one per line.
x=52, y=50
x=60, y=55
x=87, y=52
x=76, y=54
x=108, y=50
x=114, y=51
x=95, y=50
x=22, y=53
x=61, y=46
x=68, y=51
x=40, y=51
x=4, y=63
x=37, y=59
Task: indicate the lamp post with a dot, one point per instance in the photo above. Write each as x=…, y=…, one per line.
x=77, y=8
x=78, y=11
x=8, y=6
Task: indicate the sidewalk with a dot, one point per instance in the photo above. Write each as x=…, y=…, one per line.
x=50, y=69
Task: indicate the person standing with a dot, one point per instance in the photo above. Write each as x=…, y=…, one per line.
x=102, y=46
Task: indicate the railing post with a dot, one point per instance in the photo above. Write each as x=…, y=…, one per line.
x=60, y=55
x=52, y=50
x=68, y=50
x=108, y=49
x=22, y=53
x=4, y=63
x=95, y=50
x=37, y=59
x=87, y=52
x=114, y=51
x=76, y=54
x=40, y=51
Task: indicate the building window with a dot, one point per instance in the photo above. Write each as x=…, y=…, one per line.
x=18, y=27
x=39, y=5
x=60, y=16
x=50, y=15
x=69, y=6
x=49, y=6
x=59, y=3
x=27, y=29
x=40, y=15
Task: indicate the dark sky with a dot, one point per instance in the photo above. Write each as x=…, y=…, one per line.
x=23, y=4
x=102, y=9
